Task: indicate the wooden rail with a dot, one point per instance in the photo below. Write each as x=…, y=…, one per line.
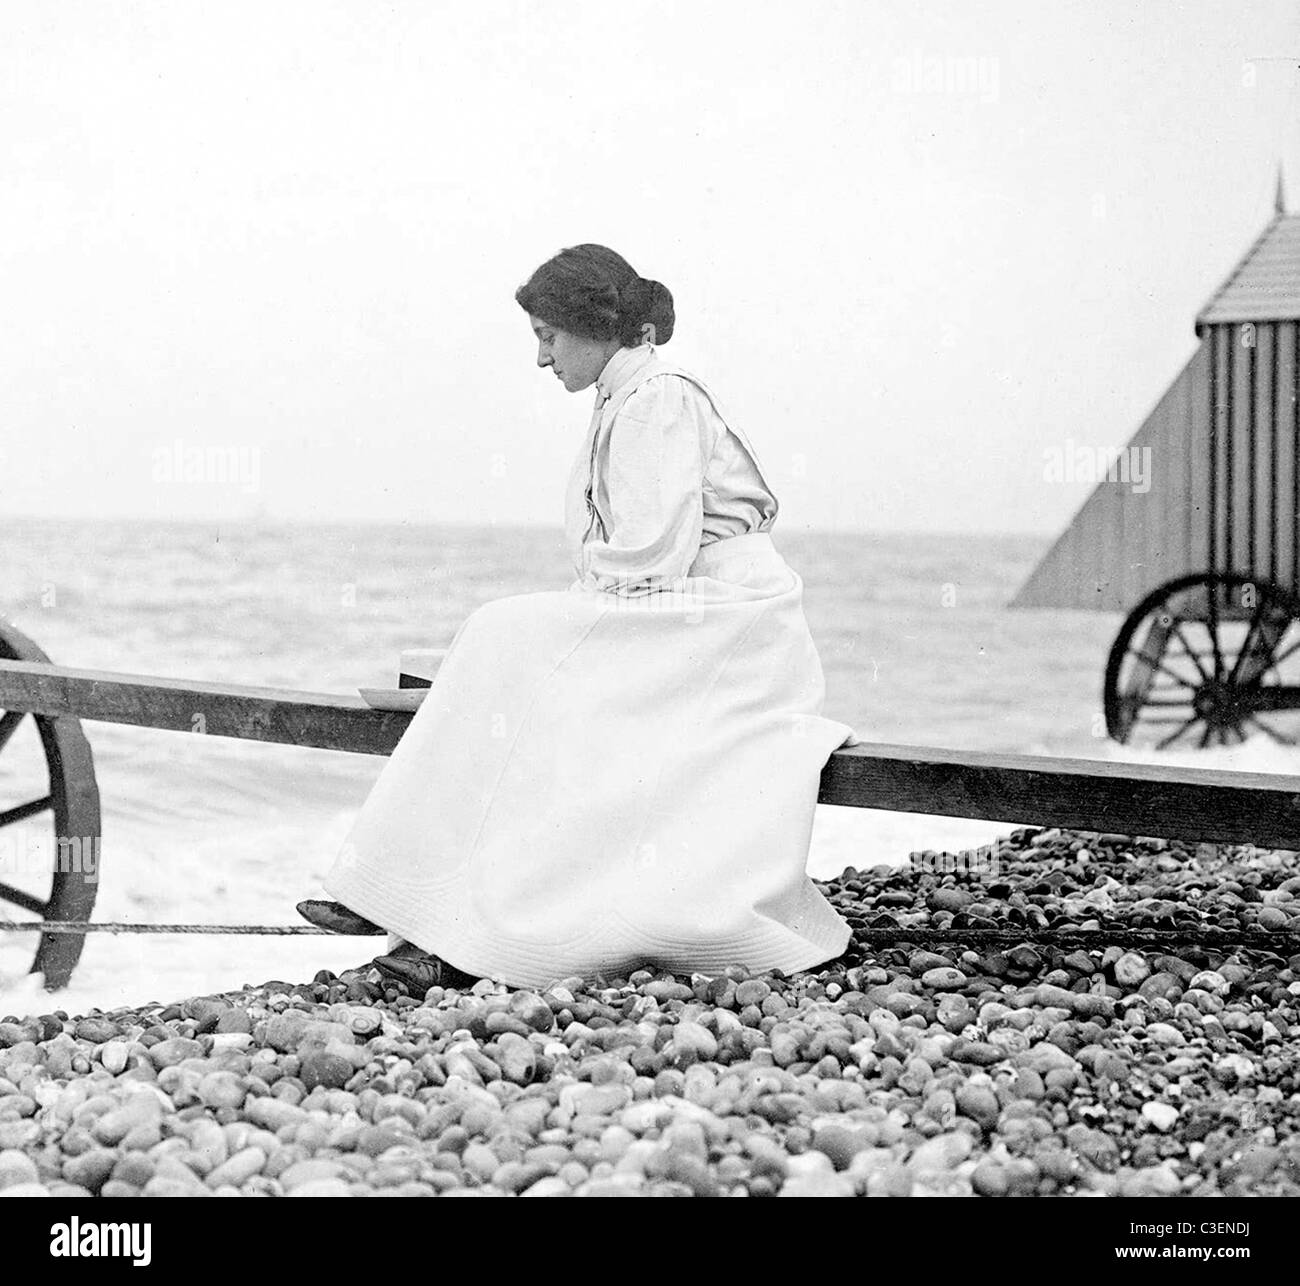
x=216, y=709
x=1085, y=794
x=1128, y=799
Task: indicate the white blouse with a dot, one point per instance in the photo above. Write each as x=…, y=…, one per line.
x=665, y=476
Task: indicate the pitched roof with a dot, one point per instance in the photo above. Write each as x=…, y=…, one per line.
x=1265, y=285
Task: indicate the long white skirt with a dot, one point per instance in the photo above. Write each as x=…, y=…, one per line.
x=596, y=782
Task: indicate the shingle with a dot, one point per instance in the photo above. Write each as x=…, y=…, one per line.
x=1265, y=285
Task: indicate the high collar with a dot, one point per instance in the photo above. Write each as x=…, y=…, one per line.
x=622, y=367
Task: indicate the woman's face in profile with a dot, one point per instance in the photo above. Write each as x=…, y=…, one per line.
x=577, y=362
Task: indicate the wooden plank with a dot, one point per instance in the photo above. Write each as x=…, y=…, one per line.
x=1108, y=551
x=1243, y=351
x=1134, y=799
x=1196, y=462
x=1086, y=794
x=216, y=710
x=1284, y=444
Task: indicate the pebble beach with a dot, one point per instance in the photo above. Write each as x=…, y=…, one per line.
x=901, y=1069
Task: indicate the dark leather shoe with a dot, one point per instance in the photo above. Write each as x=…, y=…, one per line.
x=420, y=972
x=335, y=917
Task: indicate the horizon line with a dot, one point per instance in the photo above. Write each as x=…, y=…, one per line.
x=282, y=521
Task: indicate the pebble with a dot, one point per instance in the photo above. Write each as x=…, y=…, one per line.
x=1131, y=970
x=323, y=1188
x=948, y=899
x=989, y=1178
x=942, y=1152
x=168, y=1053
x=330, y=1071
x=692, y=1043
x=16, y=1168
x=223, y=1090
x=978, y=1102
x=842, y=1142
x=240, y=1167
x=1215, y=984
x=1165, y=1034
x=980, y=1053
x=1163, y=1116
x=893, y=1071
x=943, y=979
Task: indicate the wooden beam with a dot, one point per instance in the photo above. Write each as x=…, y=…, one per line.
x=1084, y=794
x=1032, y=790
x=278, y=715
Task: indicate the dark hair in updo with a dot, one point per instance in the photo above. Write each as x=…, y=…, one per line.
x=590, y=291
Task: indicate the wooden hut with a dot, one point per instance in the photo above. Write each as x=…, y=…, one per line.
x=1219, y=452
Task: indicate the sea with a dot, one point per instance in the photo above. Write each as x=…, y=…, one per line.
x=915, y=636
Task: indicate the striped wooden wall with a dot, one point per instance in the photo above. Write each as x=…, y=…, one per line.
x=1123, y=543
x=1234, y=473
x=1255, y=508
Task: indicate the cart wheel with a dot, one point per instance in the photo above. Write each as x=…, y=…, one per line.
x=65, y=787
x=1203, y=658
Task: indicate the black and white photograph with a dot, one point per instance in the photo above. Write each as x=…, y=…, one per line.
x=693, y=600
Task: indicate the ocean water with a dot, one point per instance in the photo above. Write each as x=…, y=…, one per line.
x=914, y=635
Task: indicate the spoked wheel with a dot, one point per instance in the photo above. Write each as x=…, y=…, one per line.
x=1207, y=659
x=46, y=768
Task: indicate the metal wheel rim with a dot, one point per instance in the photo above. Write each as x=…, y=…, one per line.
x=1121, y=719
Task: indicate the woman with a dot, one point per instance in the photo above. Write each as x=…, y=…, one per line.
x=625, y=772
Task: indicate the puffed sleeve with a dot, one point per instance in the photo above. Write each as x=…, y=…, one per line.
x=649, y=490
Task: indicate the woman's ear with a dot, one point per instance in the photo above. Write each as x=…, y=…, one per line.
x=647, y=332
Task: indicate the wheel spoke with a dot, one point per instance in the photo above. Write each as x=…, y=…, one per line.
x=23, y=811
x=1274, y=665
x=1272, y=732
x=1212, y=603
x=1255, y=619
x=25, y=900
x=1173, y=736
x=1290, y=652
x=1164, y=669
x=1178, y=634
x=9, y=722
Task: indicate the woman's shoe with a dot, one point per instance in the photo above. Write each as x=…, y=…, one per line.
x=335, y=917
x=420, y=972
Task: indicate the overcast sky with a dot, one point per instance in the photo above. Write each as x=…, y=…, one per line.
x=260, y=258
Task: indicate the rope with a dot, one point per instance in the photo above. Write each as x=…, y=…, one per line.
x=1085, y=937
x=1118, y=936
x=84, y=926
